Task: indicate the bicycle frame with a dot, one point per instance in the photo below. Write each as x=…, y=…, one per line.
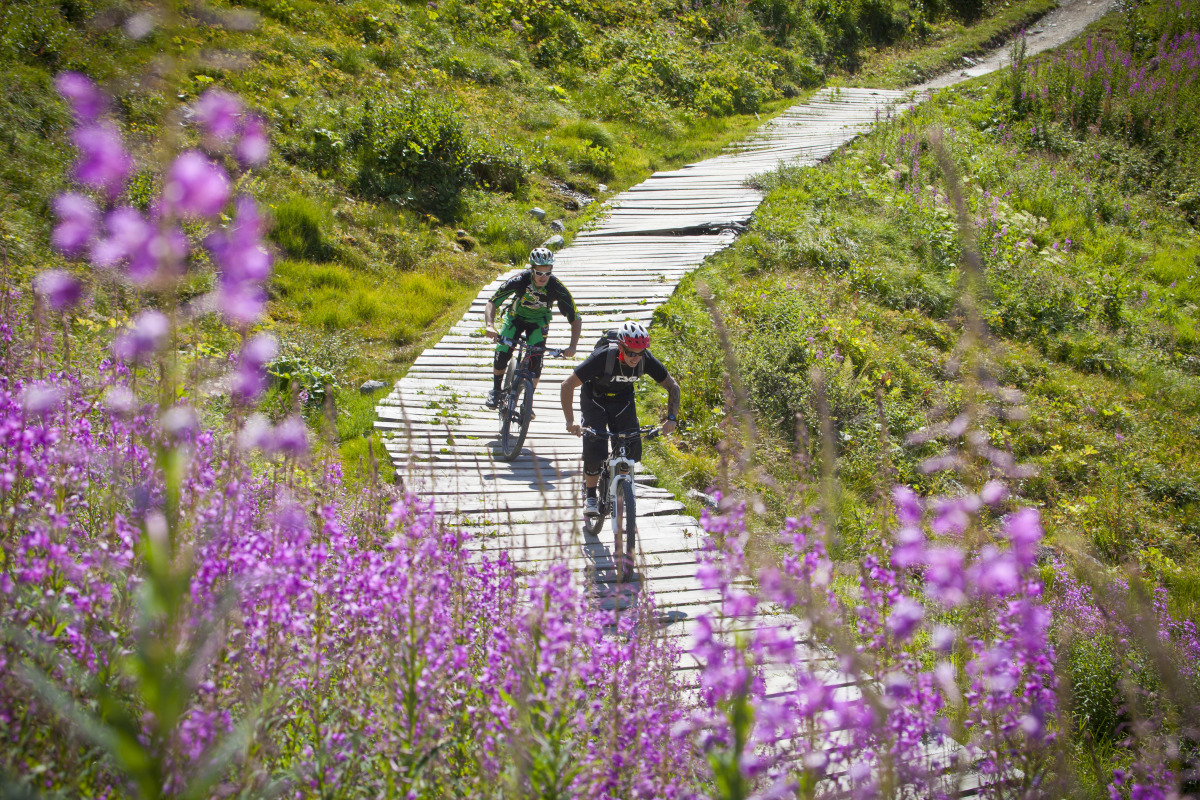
x=515, y=404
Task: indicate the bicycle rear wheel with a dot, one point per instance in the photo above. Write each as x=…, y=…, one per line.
x=625, y=514
x=516, y=425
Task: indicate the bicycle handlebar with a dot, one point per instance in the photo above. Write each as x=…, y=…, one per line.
x=647, y=432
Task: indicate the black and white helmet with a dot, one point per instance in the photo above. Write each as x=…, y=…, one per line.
x=634, y=334
x=541, y=257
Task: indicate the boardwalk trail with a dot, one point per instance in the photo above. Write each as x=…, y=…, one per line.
x=444, y=442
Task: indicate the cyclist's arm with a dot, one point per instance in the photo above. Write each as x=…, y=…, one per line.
x=566, y=395
x=566, y=305
x=576, y=330
x=506, y=289
x=673, y=396
x=489, y=319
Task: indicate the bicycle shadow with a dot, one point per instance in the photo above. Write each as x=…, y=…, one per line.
x=541, y=473
x=601, y=575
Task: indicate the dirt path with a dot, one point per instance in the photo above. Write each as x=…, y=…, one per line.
x=1056, y=28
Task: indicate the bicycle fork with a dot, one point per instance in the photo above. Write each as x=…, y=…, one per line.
x=623, y=518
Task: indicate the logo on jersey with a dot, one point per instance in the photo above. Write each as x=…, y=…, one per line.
x=625, y=378
x=534, y=300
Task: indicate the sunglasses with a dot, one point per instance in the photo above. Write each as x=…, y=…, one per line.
x=541, y=274
x=629, y=351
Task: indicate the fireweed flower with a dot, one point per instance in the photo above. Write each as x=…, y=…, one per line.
x=58, y=289
x=196, y=186
x=290, y=438
x=148, y=250
x=144, y=339
x=217, y=113
x=944, y=579
x=126, y=232
x=250, y=379
x=253, y=146
x=86, y=99
x=245, y=263
x=118, y=400
x=38, y=399
x=905, y=616
x=78, y=218
x=103, y=163
x=1024, y=529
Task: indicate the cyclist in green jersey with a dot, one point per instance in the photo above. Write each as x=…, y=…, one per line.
x=533, y=294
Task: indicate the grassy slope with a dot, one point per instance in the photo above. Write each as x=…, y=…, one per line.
x=1093, y=296
x=365, y=283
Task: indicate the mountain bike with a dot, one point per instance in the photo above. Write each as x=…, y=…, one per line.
x=615, y=496
x=515, y=402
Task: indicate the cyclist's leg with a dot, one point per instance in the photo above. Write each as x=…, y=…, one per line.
x=537, y=336
x=595, y=448
x=503, y=351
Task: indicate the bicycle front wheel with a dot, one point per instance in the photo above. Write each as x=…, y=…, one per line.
x=516, y=426
x=625, y=527
x=630, y=512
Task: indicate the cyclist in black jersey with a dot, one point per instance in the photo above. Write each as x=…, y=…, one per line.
x=607, y=401
x=534, y=292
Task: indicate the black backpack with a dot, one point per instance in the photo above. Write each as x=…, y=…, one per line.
x=609, y=340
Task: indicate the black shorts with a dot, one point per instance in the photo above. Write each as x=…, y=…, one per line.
x=606, y=414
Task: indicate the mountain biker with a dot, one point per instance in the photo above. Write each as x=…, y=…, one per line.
x=533, y=292
x=606, y=401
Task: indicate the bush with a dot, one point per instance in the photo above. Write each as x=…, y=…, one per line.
x=415, y=151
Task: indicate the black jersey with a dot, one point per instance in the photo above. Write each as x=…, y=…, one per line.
x=620, y=383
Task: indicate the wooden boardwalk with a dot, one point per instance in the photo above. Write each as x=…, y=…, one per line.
x=443, y=441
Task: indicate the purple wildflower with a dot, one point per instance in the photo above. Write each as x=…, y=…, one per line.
x=944, y=580
x=195, y=186
x=103, y=163
x=905, y=617
x=39, y=399
x=250, y=380
x=244, y=260
x=86, y=99
x=218, y=113
x=58, y=289
x=78, y=217
x=253, y=146
x=144, y=339
x=1024, y=529
x=290, y=437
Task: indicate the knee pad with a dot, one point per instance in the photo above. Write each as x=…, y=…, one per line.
x=501, y=360
x=592, y=468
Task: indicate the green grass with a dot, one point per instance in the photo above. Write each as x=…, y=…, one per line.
x=581, y=95
x=333, y=297
x=846, y=261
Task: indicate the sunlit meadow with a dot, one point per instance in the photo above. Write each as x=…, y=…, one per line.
x=193, y=605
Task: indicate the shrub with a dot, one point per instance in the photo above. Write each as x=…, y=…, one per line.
x=415, y=151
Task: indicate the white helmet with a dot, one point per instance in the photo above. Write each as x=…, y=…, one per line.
x=634, y=334
x=541, y=257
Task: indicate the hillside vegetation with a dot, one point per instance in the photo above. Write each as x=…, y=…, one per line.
x=977, y=323
x=849, y=305
x=412, y=139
